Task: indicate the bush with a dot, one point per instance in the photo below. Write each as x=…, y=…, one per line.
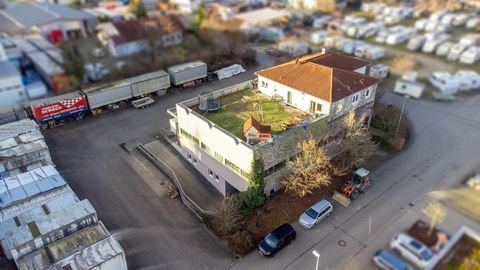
x=403, y=64
x=253, y=197
x=227, y=216
x=240, y=243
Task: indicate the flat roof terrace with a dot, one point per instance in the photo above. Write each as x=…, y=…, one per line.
x=237, y=107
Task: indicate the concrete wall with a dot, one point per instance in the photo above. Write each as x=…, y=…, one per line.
x=343, y=106
x=218, y=144
x=299, y=100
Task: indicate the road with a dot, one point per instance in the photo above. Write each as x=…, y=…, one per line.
x=443, y=150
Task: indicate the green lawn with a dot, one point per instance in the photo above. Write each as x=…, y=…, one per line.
x=239, y=106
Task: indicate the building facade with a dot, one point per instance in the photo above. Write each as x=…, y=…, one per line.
x=326, y=86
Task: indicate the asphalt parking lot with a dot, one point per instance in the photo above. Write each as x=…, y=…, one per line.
x=155, y=231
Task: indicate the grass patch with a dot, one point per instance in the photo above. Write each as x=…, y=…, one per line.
x=238, y=107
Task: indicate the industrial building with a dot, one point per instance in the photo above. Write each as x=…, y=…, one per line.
x=22, y=148
x=12, y=92
x=314, y=92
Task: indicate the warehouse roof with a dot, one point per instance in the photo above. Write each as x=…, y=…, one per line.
x=30, y=14
x=42, y=224
x=77, y=242
x=327, y=83
x=185, y=66
x=7, y=69
x=17, y=188
x=11, y=130
x=262, y=16
x=148, y=76
x=44, y=198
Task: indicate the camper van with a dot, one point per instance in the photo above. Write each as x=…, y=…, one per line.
x=469, y=39
x=473, y=23
x=431, y=45
x=379, y=71
x=457, y=51
x=370, y=52
x=368, y=30
x=444, y=48
x=470, y=56
x=444, y=82
x=460, y=19
x=420, y=24
x=318, y=37
x=416, y=43
x=469, y=80
x=349, y=45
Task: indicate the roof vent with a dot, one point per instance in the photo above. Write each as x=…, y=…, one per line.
x=362, y=81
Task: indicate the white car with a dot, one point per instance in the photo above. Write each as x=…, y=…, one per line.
x=412, y=250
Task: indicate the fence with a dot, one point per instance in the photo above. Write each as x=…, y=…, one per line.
x=195, y=208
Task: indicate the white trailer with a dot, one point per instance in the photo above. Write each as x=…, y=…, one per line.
x=188, y=74
x=431, y=45
x=469, y=80
x=444, y=82
x=416, y=43
x=379, y=71
x=154, y=82
x=470, y=56
x=318, y=37
x=112, y=95
x=370, y=52
x=409, y=88
x=457, y=51
x=294, y=48
x=444, y=48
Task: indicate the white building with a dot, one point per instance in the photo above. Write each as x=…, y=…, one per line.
x=12, y=92
x=326, y=86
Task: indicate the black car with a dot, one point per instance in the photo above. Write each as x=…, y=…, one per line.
x=276, y=240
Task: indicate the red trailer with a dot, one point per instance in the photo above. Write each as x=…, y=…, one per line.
x=53, y=111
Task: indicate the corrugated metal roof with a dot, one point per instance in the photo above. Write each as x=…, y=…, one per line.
x=63, y=248
x=185, y=66
x=92, y=256
x=148, y=76
x=14, y=129
x=7, y=69
x=36, y=201
x=47, y=223
x=22, y=186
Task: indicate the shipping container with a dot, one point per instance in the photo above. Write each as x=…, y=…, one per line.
x=187, y=73
x=59, y=107
x=145, y=84
x=108, y=94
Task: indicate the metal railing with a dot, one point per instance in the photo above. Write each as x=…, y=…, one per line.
x=187, y=201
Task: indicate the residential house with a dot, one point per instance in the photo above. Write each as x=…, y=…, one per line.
x=52, y=21
x=323, y=86
x=133, y=36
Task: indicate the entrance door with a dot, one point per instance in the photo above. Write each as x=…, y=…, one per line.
x=289, y=97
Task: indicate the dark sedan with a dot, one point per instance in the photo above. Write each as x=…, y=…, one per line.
x=276, y=240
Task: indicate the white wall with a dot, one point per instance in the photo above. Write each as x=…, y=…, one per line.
x=228, y=146
x=128, y=48
x=300, y=100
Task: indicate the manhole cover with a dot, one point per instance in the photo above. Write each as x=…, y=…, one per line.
x=342, y=243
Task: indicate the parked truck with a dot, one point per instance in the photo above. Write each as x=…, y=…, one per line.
x=51, y=112
x=188, y=74
x=108, y=96
x=155, y=82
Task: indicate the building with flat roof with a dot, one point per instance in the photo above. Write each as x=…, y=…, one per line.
x=43, y=227
x=296, y=99
x=89, y=248
x=22, y=148
x=12, y=92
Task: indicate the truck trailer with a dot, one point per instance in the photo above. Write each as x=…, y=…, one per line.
x=155, y=82
x=188, y=74
x=53, y=111
x=108, y=96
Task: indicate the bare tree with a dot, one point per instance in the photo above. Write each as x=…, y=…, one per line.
x=355, y=144
x=436, y=213
x=403, y=64
x=227, y=216
x=309, y=170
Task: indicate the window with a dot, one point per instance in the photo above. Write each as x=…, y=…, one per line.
x=217, y=178
x=289, y=97
x=195, y=161
x=355, y=98
x=264, y=84
x=190, y=137
x=367, y=94
x=210, y=173
x=189, y=157
x=319, y=107
x=218, y=157
x=205, y=148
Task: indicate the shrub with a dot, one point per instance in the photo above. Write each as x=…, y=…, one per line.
x=403, y=64
x=240, y=243
x=227, y=216
x=253, y=197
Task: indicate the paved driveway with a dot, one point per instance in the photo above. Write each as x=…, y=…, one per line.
x=445, y=148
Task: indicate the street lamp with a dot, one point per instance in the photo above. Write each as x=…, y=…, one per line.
x=405, y=97
x=316, y=254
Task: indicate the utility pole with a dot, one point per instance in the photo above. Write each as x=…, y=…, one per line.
x=316, y=254
x=405, y=97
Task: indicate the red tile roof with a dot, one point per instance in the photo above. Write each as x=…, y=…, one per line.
x=327, y=82
x=251, y=122
x=342, y=61
x=139, y=29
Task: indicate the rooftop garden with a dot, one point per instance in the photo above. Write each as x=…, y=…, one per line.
x=465, y=255
x=236, y=108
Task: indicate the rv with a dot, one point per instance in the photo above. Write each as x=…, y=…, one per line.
x=381, y=36
x=448, y=19
x=469, y=80
x=334, y=41
x=368, y=30
x=420, y=24
x=460, y=19
x=350, y=45
x=370, y=52
x=294, y=48
x=318, y=37
x=457, y=51
x=469, y=39
x=472, y=23
x=470, y=56
x=396, y=38
x=416, y=43
x=444, y=82
x=431, y=45
x=379, y=71
x=437, y=16
x=444, y=48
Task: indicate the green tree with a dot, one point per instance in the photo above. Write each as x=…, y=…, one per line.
x=253, y=197
x=200, y=15
x=73, y=64
x=136, y=7
x=310, y=170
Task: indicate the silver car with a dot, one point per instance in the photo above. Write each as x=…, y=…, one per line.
x=315, y=214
